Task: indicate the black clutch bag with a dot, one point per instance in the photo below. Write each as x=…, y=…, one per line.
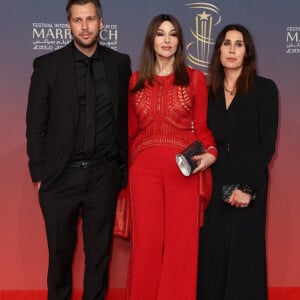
x=227, y=190
x=184, y=159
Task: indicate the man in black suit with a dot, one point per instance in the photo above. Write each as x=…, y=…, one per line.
x=77, y=148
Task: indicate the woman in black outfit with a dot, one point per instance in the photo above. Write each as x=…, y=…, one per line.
x=243, y=116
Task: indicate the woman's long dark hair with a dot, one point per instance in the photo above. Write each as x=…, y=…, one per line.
x=248, y=73
x=148, y=57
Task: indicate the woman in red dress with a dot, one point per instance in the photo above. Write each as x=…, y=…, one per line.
x=167, y=112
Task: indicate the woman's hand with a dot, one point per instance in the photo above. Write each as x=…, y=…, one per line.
x=239, y=199
x=204, y=161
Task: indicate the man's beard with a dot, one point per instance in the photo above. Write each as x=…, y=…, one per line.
x=90, y=44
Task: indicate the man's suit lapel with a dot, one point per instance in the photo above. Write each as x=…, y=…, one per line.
x=69, y=82
x=111, y=69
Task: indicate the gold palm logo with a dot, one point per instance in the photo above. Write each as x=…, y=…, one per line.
x=198, y=51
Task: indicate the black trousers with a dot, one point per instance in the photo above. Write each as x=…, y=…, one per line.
x=92, y=193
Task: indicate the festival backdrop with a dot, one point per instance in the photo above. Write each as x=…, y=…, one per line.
x=33, y=27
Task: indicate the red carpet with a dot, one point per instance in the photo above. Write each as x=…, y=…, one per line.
x=113, y=294
x=277, y=293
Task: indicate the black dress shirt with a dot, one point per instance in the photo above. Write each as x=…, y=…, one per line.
x=105, y=144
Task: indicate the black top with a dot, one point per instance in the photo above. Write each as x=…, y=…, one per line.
x=245, y=133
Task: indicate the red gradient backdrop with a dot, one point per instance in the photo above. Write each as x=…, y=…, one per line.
x=275, y=26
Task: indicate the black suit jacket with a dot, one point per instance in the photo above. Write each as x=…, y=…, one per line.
x=53, y=110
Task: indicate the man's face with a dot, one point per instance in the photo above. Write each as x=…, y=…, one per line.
x=85, y=26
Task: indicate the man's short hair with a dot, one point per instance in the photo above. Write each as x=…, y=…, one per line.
x=82, y=2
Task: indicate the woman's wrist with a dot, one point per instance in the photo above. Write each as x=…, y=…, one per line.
x=212, y=150
x=245, y=188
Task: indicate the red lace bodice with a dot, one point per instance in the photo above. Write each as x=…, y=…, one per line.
x=166, y=114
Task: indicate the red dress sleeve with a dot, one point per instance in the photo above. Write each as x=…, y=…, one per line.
x=202, y=132
x=132, y=117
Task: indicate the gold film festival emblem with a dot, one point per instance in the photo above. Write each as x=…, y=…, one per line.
x=205, y=18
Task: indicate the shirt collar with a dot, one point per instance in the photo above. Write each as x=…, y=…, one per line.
x=79, y=56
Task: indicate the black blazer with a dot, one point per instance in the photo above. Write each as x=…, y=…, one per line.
x=53, y=110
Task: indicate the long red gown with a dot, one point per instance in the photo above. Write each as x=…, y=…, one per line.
x=165, y=203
